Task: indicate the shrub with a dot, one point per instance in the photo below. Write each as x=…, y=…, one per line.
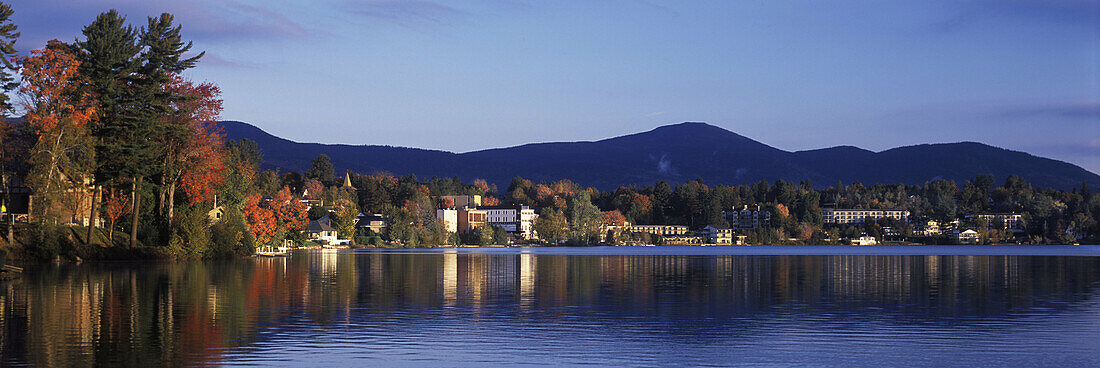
x=191, y=237
x=230, y=237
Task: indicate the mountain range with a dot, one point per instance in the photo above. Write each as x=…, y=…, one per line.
x=674, y=153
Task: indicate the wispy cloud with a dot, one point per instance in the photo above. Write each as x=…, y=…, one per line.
x=202, y=20
x=1080, y=109
x=216, y=60
x=652, y=114
x=966, y=13
x=406, y=13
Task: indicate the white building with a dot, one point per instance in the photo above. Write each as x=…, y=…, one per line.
x=927, y=228
x=449, y=218
x=865, y=240
x=320, y=229
x=720, y=235
x=858, y=215
x=747, y=218
x=1002, y=221
x=518, y=220
x=966, y=237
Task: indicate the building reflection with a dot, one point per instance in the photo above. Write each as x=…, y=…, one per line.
x=193, y=312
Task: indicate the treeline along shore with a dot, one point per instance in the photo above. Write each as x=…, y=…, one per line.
x=108, y=151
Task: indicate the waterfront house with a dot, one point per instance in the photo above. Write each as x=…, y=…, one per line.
x=720, y=235
x=968, y=236
x=371, y=221
x=320, y=229
x=927, y=228
x=864, y=239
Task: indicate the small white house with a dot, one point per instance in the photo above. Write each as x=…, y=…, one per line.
x=319, y=229
x=865, y=240
x=966, y=237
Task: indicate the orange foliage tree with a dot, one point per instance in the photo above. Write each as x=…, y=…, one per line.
x=58, y=110
x=481, y=185
x=290, y=213
x=195, y=159
x=261, y=220
x=117, y=206
x=313, y=189
x=614, y=218
x=491, y=201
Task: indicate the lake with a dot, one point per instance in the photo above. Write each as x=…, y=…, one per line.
x=603, y=306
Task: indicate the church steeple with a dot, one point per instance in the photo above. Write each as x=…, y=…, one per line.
x=347, y=181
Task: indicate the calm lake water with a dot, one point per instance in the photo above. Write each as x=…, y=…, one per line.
x=650, y=306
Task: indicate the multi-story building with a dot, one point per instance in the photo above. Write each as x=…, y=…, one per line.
x=471, y=218
x=449, y=218
x=518, y=220
x=720, y=235
x=660, y=230
x=748, y=218
x=1002, y=221
x=858, y=215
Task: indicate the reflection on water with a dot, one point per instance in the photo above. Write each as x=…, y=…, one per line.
x=461, y=308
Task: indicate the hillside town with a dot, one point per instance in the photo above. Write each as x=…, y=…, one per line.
x=563, y=213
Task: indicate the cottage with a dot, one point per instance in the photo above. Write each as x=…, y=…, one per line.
x=373, y=222
x=320, y=229
x=968, y=236
x=865, y=240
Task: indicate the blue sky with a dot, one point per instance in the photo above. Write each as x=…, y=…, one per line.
x=468, y=75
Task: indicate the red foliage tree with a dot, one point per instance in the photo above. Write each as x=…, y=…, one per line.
x=289, y=212
x=195, y=158
x=261, y=221
x=313, y=189
x=117, y=206
x=491, y=201
x=614, y=218
x=481, y=185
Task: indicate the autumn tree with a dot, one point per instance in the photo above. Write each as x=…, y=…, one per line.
x=261, y=220
x=290, y=214
x=614, y=218
x=116, y=207
x=194, y=158
x=58, y=111
x=313, y=189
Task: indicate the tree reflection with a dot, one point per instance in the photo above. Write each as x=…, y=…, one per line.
x=193, y=313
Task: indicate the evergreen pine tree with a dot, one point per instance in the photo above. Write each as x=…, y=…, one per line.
x=110, y=54
x=8, y=36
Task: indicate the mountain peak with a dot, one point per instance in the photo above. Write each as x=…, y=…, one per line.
x=675, y=153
